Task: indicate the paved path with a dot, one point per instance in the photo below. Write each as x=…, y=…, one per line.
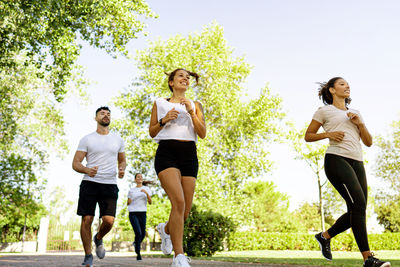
x=113, y=260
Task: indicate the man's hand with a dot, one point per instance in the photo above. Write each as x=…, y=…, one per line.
x=121, y=172
x=92, y=171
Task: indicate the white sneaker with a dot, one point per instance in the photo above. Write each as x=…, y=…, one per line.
x=180, y=261
x=166, y=244
x=100, y=250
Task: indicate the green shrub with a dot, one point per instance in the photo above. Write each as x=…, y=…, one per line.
x=205, y=232
x=385, y=241
x=304, y=241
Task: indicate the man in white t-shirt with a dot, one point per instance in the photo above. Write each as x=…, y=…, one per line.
x=103, y=150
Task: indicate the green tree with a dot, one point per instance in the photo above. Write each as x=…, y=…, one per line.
x=387, y=164
x=31, y=124
x=334, y=204
x=387, y=168
x=60, y=209
x=388, y=211
x=313, y=154
x=49, y=31
x=238, y=131
x=20, y=207
x=39, y=46
x=309, y=217
x=269, y=208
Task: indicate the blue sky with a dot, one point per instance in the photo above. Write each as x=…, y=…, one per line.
x=291, y=46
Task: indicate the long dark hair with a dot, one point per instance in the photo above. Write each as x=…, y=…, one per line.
x=144, y=182
x=172, y=75
x=325, y=95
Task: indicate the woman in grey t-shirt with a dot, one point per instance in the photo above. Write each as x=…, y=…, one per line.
x=344, y=168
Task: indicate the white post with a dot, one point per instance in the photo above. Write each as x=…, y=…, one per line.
x=42, y=235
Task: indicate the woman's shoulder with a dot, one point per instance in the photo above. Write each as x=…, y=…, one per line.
x=146, y=187
x=161, y=100
x=322, y=109
x=325, y=107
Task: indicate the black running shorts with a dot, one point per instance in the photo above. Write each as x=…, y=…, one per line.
x=177, y=154
x=91, y=193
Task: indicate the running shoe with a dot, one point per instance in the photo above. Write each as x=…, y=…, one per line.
x=166, y=244
x=180, y=261
x=325, y=246
x=100, y=250
x=88, y=261
x=139, y=258
x=374, y=262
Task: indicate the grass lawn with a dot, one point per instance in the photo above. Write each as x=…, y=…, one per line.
x=296, y=257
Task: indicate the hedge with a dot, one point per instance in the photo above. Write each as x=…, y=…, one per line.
x=303, y=241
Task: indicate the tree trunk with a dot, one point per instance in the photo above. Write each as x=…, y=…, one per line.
x=23, y=235
x=321, y=207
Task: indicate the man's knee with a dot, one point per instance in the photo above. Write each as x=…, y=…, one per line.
x=87, y=221
x=108, y=221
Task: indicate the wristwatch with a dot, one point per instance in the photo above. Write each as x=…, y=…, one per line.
x=160, y=122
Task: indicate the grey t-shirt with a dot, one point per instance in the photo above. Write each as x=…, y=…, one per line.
x=334, y=119
x=102, y=151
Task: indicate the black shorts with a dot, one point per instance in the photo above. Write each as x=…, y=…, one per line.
x=177, y=154
x=91, y=193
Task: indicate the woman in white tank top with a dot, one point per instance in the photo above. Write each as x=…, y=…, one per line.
x=175, y=124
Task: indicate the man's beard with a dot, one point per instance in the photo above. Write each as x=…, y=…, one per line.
x=103, y=123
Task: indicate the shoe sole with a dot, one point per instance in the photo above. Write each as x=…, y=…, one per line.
x=386, y=264
x=320, y=247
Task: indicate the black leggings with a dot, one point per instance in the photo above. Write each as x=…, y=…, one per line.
x=349, y=179
x=138, y=222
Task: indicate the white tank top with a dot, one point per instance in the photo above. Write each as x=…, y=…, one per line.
x=179, y=129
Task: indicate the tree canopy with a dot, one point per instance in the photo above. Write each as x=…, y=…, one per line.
x=269, y=208
x=50, y=31
x=238, y=129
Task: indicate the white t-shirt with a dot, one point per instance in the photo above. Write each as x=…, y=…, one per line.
x=179, y=129
x=334, y=119
x=102, y=151
x=139, y=199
